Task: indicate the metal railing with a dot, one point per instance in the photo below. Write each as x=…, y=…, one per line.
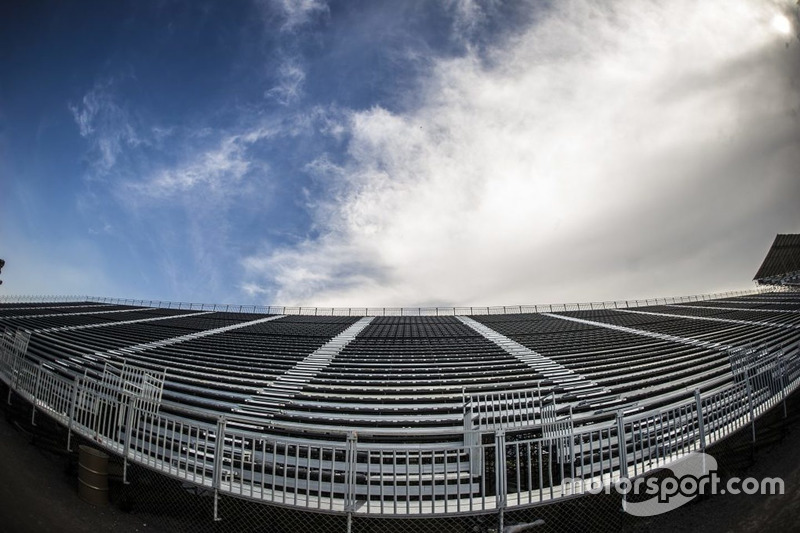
x=504, y=467
x=392, y=311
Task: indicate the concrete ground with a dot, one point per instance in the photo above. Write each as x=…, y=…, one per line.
x=39, y=492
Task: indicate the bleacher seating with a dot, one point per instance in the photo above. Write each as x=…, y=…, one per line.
x=440, y=387
x=404, y=373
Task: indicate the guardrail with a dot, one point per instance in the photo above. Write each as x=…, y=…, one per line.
x=391, y=311
x=505, y=468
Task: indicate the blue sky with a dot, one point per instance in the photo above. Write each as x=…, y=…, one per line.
x=395, y=153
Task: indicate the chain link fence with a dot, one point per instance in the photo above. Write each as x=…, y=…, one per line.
x=168, y=504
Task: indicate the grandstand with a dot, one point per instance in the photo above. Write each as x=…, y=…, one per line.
x=782, y=264
x=403, y=412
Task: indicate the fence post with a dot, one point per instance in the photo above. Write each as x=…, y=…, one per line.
x=622, y=447
x=500, y=474
x=472, y=438
x=783, y=388
x=13, y=378
x=38, y=370
x=127, y=444
x=752, y=410
x=219, y=452
x=700, y=423
x=781, y=364
x=351, y=459
x=500, y=467
x=72, y=407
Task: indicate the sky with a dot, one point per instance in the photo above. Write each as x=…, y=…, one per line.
x=395, y=153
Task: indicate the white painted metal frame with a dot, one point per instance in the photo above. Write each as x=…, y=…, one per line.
x=504, y=468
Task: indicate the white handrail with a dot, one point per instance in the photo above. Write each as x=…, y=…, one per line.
x=392, y=311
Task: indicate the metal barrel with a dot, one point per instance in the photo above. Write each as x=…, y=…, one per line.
x=93, y=476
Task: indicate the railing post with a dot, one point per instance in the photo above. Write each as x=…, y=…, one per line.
x=700, y=422
x=127, y=444
x=622, y=447
x=752, y=410
x=781, y=368
x=72, y=407
x=351, y=458
x=13, y=378
x=38, y=370
x=472, y=437
x=219, y=452
x=783, y=388
x=500, y=469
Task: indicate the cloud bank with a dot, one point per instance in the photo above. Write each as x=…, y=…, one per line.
x=608, y=150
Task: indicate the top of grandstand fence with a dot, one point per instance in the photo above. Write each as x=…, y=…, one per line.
x=388, y=311
x=782, y=261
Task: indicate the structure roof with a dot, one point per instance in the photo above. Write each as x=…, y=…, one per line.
x=783, y=257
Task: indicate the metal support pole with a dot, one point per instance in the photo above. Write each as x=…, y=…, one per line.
x=36, y=393
x=752, y=411
x=351, y=458
x=72, y=407
x=216, y=506
x=219, y=452
x=11, y=387
x=128, y=424
x=782, y=370
x=700, y=422
x=571, y=444
x=622, y=447
x=125, y=469
x=500, y=467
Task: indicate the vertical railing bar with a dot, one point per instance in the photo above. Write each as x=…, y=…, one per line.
x=540, y=468
x=382, y=478
x=419, y=472
x=296, y=480
x=394, y=480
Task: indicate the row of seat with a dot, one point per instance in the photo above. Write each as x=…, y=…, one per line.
x=405, y=373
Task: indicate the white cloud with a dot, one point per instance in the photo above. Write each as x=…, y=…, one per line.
x=290, y=83
x=189, y=208
x=295, y=15
x=253, y=290
x=596, y=154
x=105, y=229
x=106, y=125
x=218, y=171
x=299, y=12
x=468, y=16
